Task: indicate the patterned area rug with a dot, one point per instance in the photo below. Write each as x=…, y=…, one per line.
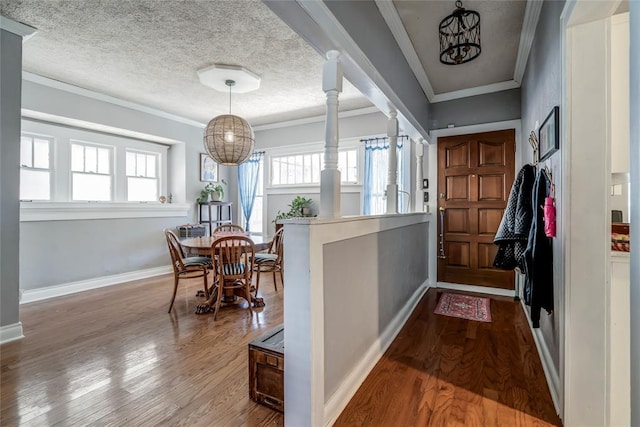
x=464, y=306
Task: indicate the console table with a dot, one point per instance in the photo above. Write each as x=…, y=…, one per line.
x=214, y=214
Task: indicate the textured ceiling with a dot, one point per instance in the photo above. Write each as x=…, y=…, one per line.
x=149, y=51
x=500, y=27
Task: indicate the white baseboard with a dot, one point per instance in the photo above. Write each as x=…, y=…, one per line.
x=32, y=295
x=338, y=401
x=11, y=333
x=477, y=289
x=550, y=371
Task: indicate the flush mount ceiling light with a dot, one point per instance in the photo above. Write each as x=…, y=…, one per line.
x=229, y=139
x=460, y=36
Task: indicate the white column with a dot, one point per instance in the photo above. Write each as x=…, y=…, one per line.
x=330, y=175
x=419, y=205
x=392, y=180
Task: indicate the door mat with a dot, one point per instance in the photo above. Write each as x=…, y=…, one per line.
x=464, y=306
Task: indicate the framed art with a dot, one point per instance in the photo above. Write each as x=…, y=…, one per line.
x=549, y=135
x=208, y=168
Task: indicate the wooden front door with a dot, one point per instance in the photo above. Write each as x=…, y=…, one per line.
x=475, y=174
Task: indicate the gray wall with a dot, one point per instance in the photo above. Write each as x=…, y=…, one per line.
x=10, y=83
x=473, y=110
x=634, y=74
x=61, y=252
x=362, y=300
x=349, y=127
x=541, y=91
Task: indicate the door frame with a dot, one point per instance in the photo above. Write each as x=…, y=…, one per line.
x=433, y=204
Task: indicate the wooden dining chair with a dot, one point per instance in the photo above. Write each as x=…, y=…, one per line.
x=228, y=228
x=186, y=267
x=270, y=261
x=232, y=257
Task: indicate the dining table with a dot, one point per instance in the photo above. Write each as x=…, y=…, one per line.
x=202, y=247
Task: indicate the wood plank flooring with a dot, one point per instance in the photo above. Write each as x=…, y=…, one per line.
x=445, y=371
x=114, y=357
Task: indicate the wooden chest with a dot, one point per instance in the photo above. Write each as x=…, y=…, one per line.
x=266, y=369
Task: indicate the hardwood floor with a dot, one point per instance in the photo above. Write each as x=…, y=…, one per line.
x=113, y=356
x=445, y=371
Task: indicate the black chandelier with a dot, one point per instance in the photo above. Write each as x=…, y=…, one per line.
x=460, y=36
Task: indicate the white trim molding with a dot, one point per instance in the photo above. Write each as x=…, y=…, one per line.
x=396, y=26
x=10, y=333
x=478, y=90
x=367, y=76
x=17, y=28
x=477, y=289
x=56, y=84
x=550, y=372
x=394, y=22
x=33, y=295
x=315, y=119
x=531, y=16
x=339, y=400
x=61, y=211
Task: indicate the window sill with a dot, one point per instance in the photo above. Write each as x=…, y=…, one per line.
x=61, y=211
x=309, y=188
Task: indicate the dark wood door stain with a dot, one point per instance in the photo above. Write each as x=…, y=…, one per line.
x=475, y=174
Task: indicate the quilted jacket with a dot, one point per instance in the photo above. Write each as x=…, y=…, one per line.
x=513, y=233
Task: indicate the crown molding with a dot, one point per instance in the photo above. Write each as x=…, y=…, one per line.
x=359, y=69
x=314, y=119
x=478, y=90
x=56, y=84
x=17, y=28
x=394, y=22
x=530, y=22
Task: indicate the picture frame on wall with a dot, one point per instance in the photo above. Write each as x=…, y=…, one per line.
x=549, y=135
x=208, y=168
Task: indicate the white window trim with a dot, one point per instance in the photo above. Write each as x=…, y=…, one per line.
x=65, y=211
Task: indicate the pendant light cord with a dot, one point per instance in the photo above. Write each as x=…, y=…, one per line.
x=229, y=99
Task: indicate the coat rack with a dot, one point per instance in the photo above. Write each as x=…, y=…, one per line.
x=533, y=140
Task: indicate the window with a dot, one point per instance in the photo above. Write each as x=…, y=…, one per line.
x=376, y=174
x=142, y=177
x=348, y=166
x=90, y=172
x=35, y=167
x=304, y=169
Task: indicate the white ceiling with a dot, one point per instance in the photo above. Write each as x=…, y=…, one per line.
x=148, y=52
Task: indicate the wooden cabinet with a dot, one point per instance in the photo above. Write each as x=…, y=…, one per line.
x=266, y=369
x=213, y=214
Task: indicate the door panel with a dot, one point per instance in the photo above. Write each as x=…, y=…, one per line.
x=475, y=174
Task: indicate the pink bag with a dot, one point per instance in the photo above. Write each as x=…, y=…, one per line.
x=549, y=211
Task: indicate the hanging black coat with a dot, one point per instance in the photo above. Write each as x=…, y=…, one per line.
x=513, y=232
x=538, y=257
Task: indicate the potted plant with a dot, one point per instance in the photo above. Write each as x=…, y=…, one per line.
x=212, y=192
x=299, y=207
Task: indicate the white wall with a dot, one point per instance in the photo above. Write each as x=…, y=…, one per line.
x=344, y=304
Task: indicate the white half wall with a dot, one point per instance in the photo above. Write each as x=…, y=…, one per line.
x=351, y=285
